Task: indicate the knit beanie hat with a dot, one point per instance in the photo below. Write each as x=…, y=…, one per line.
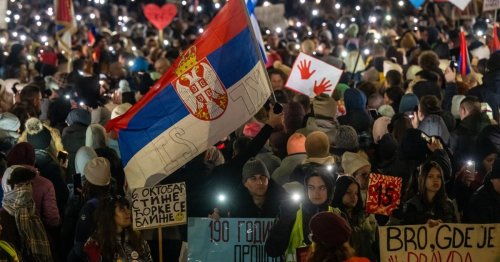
x=10, y=123
x=15, y=175
x=317, y=144
x=21, y=154
x=120, y=110
x=354, y=99
x=80, y=116
x=329, y=229
x=296, y=144
x=37, y=134
x=95, y=136
x=253, y=167
x=324, y=106
x=83, y=156
x=346, y=138
x=408, y=103
x=97, y=171
x=351, y=162
x=339, y=91
x=455, y=105
x=380, y=128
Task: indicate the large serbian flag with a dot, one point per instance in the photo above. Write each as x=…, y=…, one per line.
x=65, y=24
x=213, y=88
x=464, y=60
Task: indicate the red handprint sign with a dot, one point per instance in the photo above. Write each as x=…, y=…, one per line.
x=305, y=69
x=322, y=87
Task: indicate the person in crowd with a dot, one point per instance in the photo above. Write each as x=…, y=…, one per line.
x=359, y=168
x=21, y=225
x=96, y=187
x=114, y=239
x=431, y=204
x=296, y=155
x=484, y=205
x=73, y=136
x=347, y=197
x=429, y=119
x=9, y=127
x=328, y=246
x=31, y=99
x=292, y=228
x=356, y=116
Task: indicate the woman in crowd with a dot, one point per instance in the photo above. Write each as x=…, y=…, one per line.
x=347, y=198
x=114, y=238
x=430, y=204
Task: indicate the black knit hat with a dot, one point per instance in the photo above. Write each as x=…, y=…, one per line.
x=254, y=167
x=37, y=134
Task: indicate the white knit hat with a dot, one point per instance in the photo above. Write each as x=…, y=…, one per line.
x=97, y=171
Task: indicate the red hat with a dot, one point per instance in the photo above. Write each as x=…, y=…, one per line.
x=329, y=229
x=21, y=154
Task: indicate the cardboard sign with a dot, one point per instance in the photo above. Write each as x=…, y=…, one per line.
x=444, y=242
x=312, y=77
x=384, y=194
x=232, y=239
x=489, y=5
x=160, y=17
x=272, y=16
x=460, y=3
x=159, y=206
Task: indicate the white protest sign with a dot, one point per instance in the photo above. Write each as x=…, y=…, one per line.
x=271, y=16
x=460, y=3
x=159, y=206
x=312, y=77
x=489, y=5
x=444, y=242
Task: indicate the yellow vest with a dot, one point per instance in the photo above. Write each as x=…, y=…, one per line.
x=297, y=234
x=10, y=250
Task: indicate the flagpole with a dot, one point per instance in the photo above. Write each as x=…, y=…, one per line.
x=256, y=46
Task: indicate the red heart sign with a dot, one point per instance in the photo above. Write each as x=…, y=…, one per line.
x=160, y=17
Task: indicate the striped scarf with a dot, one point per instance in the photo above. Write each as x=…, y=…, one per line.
x=19, y=203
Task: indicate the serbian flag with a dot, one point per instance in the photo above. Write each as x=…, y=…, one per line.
x=213, y=88
x=464, y=60
x=65, y=24
x=256, y=28
x=495, y=43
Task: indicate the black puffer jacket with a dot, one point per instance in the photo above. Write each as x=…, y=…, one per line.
x=484, y=206
x=245, y=207
x=463, y=139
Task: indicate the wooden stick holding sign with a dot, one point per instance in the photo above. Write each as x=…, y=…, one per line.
x=384, y=194
x=159, y=206
x=160, y=17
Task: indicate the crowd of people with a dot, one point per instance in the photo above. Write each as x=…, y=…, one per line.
x=400, y=109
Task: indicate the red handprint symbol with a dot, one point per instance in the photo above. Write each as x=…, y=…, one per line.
x=304, y=67
x=323, y=86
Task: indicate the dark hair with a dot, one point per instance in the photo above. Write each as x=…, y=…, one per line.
x=395, y=93
x=28, y=96
x=275, y=71
x=425, y=168
x=429, y=105
x=322, y=253
x=472, y=104
x=394, y=78
x=341, y=187
x=399, y=124
x=304, y=100
x=21, y=175
x=90, y=191
x=105, y=233
x=321, y=171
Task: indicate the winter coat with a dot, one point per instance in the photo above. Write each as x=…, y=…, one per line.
x=416, y=212
x=358, y=119
x=433, y=125
x=51, y=170
x=245, y=207
x=73, y=137
x=282, y=174
x=491, y=82
x=126, y=251
x=484, y=206
x=44, y=197
x=463, y=139
x=85, y=227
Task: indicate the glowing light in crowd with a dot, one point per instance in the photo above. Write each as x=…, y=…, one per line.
x=199, y=8
x=82, y=104
x=165, y=42
x=309, y=33
x=37, y=17
x=318, y=2
x=279, y=30
x=295, y=197
x=12, y=1
x=388, y=17
x=378, y=36
x=337, y=6
x=372, y=19
x=266, y=3
x=38, y=23
x=22, y=37
x=221, y=197
x=16, y=17
x=217, y=5
x=50, y=11
x=357, y=8
x=14, y=34
x=7, y=19
x=366, y=51
x=337, y=24
x=200, y=30
x=67, y=96
x=78, y=17
x=3, y=40
x=92, y=16
x=111, y=49
x=5, y=53
x=134, y=48
x=295, y=35
x=29, y=57
x=130, y=63
x=298, y=24
x=124, y=29
x=9, y=12
x=330, y=167
x=488, y=20
x=342, y=26
x=302, y=1
x=315, y=12
x=353, y=19
x=341, y=36
x=401, y=3
x=415, y=20
x=480, y=33
x=297, y=46
x=184, y=3
x=43, y=38
x=268, y=32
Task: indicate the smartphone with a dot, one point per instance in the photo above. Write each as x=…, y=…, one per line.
x=470, y=166
x=427, y=138
x=77, y=183
x=62, y=156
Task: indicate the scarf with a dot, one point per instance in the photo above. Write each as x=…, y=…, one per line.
x=19, y=203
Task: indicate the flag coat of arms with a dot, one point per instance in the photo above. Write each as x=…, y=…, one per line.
x=213, y=88
x=312, y=77
x=65, y=24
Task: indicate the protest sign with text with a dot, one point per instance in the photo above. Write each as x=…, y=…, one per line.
x=159, y=206
x=384, y=193
x=232, y=239
x=489, y=5
x=444, y=242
